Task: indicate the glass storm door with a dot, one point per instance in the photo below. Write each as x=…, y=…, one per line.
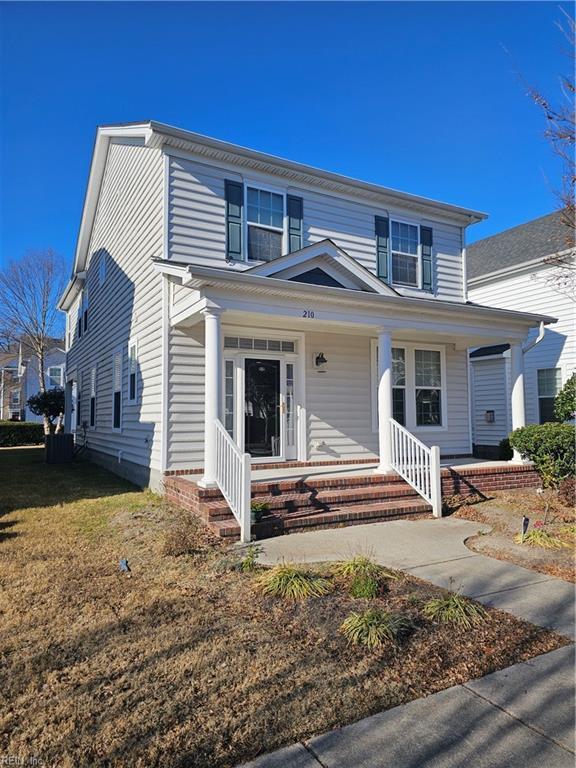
x=263, y=408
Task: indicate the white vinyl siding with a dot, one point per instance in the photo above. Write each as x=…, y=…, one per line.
x=490, y=393
x=529, y=292
x=127, y=233
x=197, y=232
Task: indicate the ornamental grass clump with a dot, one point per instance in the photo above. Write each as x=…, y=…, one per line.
x=288, y=582
x=455, y=609
x=362, y=576
x=375, y=628
x=539, y=538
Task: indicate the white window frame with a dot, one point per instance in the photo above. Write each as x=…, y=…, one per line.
x=417, y=256
x=410, y=386
x=93, y=390
x=15, y=403
x=547, y=397
x=118, y=351
x=133, y=344
x=51, y=368
x=255, y=184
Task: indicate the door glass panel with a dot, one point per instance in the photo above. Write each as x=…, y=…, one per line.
x=290, y=404
x=262, y=407
x=229, y=397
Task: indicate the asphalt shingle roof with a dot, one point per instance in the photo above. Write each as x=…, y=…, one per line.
x=536, y=239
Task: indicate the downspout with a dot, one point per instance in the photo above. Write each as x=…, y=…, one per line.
x=541, y=331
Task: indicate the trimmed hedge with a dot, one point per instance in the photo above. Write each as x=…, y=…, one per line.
x=14, y=433
x=550, y=446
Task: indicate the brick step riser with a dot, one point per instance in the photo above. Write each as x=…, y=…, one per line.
x=221, y=511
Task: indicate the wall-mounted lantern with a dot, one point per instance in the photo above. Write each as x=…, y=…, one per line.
x=320, y=362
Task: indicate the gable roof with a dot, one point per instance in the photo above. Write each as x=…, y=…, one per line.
x=307, y=257
x=519, y=245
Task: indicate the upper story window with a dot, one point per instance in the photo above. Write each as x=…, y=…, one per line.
x=265, y=219
x=261, y=224
x=15, y=398
x=55, y=376
x=405, y=254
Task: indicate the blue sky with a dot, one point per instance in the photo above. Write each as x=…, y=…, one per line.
x=423, y=97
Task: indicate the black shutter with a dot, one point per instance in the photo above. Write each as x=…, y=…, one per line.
x=427, y=270
x=295, y=211
x=382, y=227
x=234, y=203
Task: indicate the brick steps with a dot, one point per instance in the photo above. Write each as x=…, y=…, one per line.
x=274, y=525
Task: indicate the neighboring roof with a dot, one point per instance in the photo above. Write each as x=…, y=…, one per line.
x=525, y=243
x=495, y=349
x=155, y=134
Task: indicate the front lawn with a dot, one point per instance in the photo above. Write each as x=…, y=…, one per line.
x=182, y=661
x=549, y=547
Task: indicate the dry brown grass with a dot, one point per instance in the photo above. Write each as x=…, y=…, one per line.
x=183, y=663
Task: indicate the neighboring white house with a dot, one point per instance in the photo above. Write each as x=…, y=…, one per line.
x=217, y=289
x=20, y=379
x=513, y=270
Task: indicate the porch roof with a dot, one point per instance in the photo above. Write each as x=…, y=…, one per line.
x=230, y=289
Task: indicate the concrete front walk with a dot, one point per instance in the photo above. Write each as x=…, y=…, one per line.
x=521, y=717
x=434, y=550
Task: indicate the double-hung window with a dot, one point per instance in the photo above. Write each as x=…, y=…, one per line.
x=117, y=390
x=405, y=253
x=265, y=224
x=92, y=397
x=549, y=385
x=132, y=371
x=55, y=376
x=428, y=386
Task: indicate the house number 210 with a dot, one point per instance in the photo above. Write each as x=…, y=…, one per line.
x=308, y=313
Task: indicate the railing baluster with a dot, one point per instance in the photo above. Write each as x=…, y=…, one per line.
x=418, y=464
x=233, y=476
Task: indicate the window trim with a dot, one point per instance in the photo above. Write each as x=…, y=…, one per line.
x=61, y=369
x=418, y=256
x=255, y=184
x=547, y=397
x=410, y=386
x=118, y=351
x=133, y=344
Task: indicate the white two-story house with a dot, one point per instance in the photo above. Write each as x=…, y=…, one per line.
x=519, y=269
x=226, y=303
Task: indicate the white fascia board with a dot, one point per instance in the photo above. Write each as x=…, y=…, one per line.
x=211, y=276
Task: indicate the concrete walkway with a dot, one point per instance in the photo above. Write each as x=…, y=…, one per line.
x=434, y=550
x=520, y=717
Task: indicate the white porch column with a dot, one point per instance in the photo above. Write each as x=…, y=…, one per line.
x=384, y=399
x=517, y=390
x=212, y=387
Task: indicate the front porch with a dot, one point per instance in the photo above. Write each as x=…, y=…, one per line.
x=302, y=498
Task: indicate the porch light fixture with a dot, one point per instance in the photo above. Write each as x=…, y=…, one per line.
x=320, y=362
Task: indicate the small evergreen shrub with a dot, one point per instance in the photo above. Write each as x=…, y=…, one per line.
x=289, y=582
x=14, y=433
x=565, y=402
x=364, y=587
x=455, y=609
x=374, y=628
x=551, y=448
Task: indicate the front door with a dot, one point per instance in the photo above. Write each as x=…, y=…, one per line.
x=269, y=414
x=262, y=408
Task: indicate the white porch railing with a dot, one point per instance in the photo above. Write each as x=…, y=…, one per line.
x=233, y=478
x=417, y=464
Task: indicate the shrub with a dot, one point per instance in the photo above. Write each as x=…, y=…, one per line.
x=13, y=433
x=539, y=538
x=455, y=609
x=505, y=452
x=363, y=586
x=567, y=492
x=565, y=402
x=184, y=537
x=374, y=627
x=551, y=448
x=49, y=403
x=287, y=581
x=257, y=510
